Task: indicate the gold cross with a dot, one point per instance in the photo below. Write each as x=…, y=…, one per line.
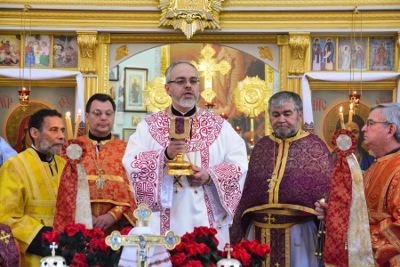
x=4, y=237
x=208, y=67
x=142, y=242
x=269, y=219
x=277, y=265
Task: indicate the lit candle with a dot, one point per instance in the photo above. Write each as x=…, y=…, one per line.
x=341, y=118
x=78, y=119
x=69, y=125
x=350, y=113
x=237, y=129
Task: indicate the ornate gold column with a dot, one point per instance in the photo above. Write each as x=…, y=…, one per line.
x=294, y=60
x=104, y=62
x=87, y=42
x=397, y=54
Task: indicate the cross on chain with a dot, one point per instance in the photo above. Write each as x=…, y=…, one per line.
x=5, y=237
x=100, y=181
x=53, y=248
x=142, y=242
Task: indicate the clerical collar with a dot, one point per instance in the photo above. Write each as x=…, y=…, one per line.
x=186, y=114
x=99, y=139
x=42, y=156
x=393, y=151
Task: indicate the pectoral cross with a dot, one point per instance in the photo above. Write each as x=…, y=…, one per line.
x=142, y=242
x=100, y=181
x=5, y=237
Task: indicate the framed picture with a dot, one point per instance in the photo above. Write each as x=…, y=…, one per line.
x=10, y=50
x=37, y=50
x=135, y=82
x=126, y=133
x=382, y=52
x=352, y=53
x=113, y=89
x=323, y=55
x=113, y=74
x=65, y=51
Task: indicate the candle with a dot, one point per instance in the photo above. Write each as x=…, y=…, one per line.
x=237, y=129
x=77, y=121
x=351, y=113
x=341, y=118
x=69, y=125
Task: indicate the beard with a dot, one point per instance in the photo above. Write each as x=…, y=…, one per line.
x=186, y=103
x=286, y=131
x=50, y=149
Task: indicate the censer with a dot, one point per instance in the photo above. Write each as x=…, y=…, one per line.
x=179, y=129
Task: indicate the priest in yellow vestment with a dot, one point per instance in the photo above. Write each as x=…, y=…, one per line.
x=29, y=185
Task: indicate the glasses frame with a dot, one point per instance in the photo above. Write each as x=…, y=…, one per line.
x=183, y=81
x=370, y=123
x=98, y=115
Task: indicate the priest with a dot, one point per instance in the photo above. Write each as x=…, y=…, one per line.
x=216, y=153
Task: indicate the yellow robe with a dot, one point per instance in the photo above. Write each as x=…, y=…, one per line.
x=28, y=198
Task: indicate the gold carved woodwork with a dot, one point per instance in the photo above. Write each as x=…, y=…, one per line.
x=298, y=44
x=155, y=98
x=87, y=42
x=122, y=52
x=397, y=56
x=251, y=97
x=208, y=68
x=190, y=16
x=265, y=52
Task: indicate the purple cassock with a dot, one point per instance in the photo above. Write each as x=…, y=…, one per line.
x=284, y=180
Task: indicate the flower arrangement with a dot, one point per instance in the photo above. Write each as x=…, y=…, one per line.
x=199, y=248
x=82, y=247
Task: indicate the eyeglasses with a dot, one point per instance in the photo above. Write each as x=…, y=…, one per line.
x=98, y=113
x=370, y=123
x=182, y=81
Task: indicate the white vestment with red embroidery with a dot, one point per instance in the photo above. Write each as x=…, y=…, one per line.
x=214, y=146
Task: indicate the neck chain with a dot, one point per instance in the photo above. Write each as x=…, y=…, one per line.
x=96, y=156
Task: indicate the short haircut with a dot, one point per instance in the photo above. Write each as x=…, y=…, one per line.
x=101, y=98
x=279, y=98
x=37, y=119
x=390, y=115
x=173, y=65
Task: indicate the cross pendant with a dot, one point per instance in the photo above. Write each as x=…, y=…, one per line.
x=100, y=182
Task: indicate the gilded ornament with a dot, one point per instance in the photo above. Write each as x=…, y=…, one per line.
x=265, y=52
x=155, y=98
x=122, y=51
x=190, y=16
x=251, y=96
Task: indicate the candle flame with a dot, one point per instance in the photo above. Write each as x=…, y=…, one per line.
x=79, y=111
x=341, y=109
x=68, y=114
x=351, y=106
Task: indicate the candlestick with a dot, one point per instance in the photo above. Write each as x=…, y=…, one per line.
x=223, y=115
x=350, y=114
x=341, y=118
x=77, y=121
x=69, y=125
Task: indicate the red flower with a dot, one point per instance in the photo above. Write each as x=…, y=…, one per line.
x=72, y=229
x=98, y=244
x=241, y=255
x=126, y=230
x=178, y=259
x=94, y=233
x=80, y=260
x=51, y=237
x=193, y=249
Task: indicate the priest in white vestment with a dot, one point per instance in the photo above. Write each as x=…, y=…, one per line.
x=217, y=153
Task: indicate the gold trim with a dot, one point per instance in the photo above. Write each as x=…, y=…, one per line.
x=280, y=206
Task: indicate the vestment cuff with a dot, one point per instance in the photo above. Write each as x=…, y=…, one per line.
x=166, y=155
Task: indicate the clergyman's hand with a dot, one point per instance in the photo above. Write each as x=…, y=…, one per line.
x=175, y=147
x=199, y=178
x=103, y=221
x=320, y=208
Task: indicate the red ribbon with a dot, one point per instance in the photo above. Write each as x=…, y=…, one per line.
x=68, y=189
x=338, y=212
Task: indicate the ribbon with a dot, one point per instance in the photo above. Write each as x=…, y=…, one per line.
x=71, y=187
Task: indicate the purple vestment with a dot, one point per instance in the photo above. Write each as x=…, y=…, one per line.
x=303, y=172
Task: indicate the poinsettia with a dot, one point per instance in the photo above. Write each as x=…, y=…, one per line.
x=81, y=247
x=200, y=248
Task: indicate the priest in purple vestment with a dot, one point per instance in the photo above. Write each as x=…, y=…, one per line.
x=288, y=171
